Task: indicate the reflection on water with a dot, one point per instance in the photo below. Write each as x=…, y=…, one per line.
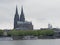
x=9, y=41
x=5, y=38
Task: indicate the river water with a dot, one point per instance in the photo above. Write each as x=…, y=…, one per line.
x=9, y=41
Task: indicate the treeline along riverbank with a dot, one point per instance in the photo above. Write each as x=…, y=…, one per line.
x=27, y=34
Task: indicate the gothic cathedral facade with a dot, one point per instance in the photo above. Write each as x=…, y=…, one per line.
x=20, y=23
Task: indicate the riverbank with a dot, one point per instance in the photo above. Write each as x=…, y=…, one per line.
x=16, y=38
x=26, y=38
x=33, y=37
x=30, y=34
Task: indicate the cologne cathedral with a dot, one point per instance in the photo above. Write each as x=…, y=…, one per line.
x=20, y=23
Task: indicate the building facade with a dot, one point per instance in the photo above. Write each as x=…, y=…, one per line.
x=20, y=23
x=49, y=26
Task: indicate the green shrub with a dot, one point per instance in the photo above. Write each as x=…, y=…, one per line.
x=1, y=32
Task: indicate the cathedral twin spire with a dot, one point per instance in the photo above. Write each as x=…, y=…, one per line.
x=17, y=18
x=22, y=25
x=22, y=17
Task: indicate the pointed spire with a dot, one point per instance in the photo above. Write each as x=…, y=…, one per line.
x=16, y=10
x=16, y=14
x=22, y=10
x=16, y=18
x=22, y=17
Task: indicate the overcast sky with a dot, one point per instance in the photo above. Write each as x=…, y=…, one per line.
x=39, y=12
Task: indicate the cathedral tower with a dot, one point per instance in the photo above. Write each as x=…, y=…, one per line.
x=22, y=17
x=20, y=23
x=16, y=18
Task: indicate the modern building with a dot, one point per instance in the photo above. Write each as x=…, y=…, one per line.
x=49, y=26
x=20, y=23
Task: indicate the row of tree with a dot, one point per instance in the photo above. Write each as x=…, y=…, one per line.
x=1, y=32
x=31, y=33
